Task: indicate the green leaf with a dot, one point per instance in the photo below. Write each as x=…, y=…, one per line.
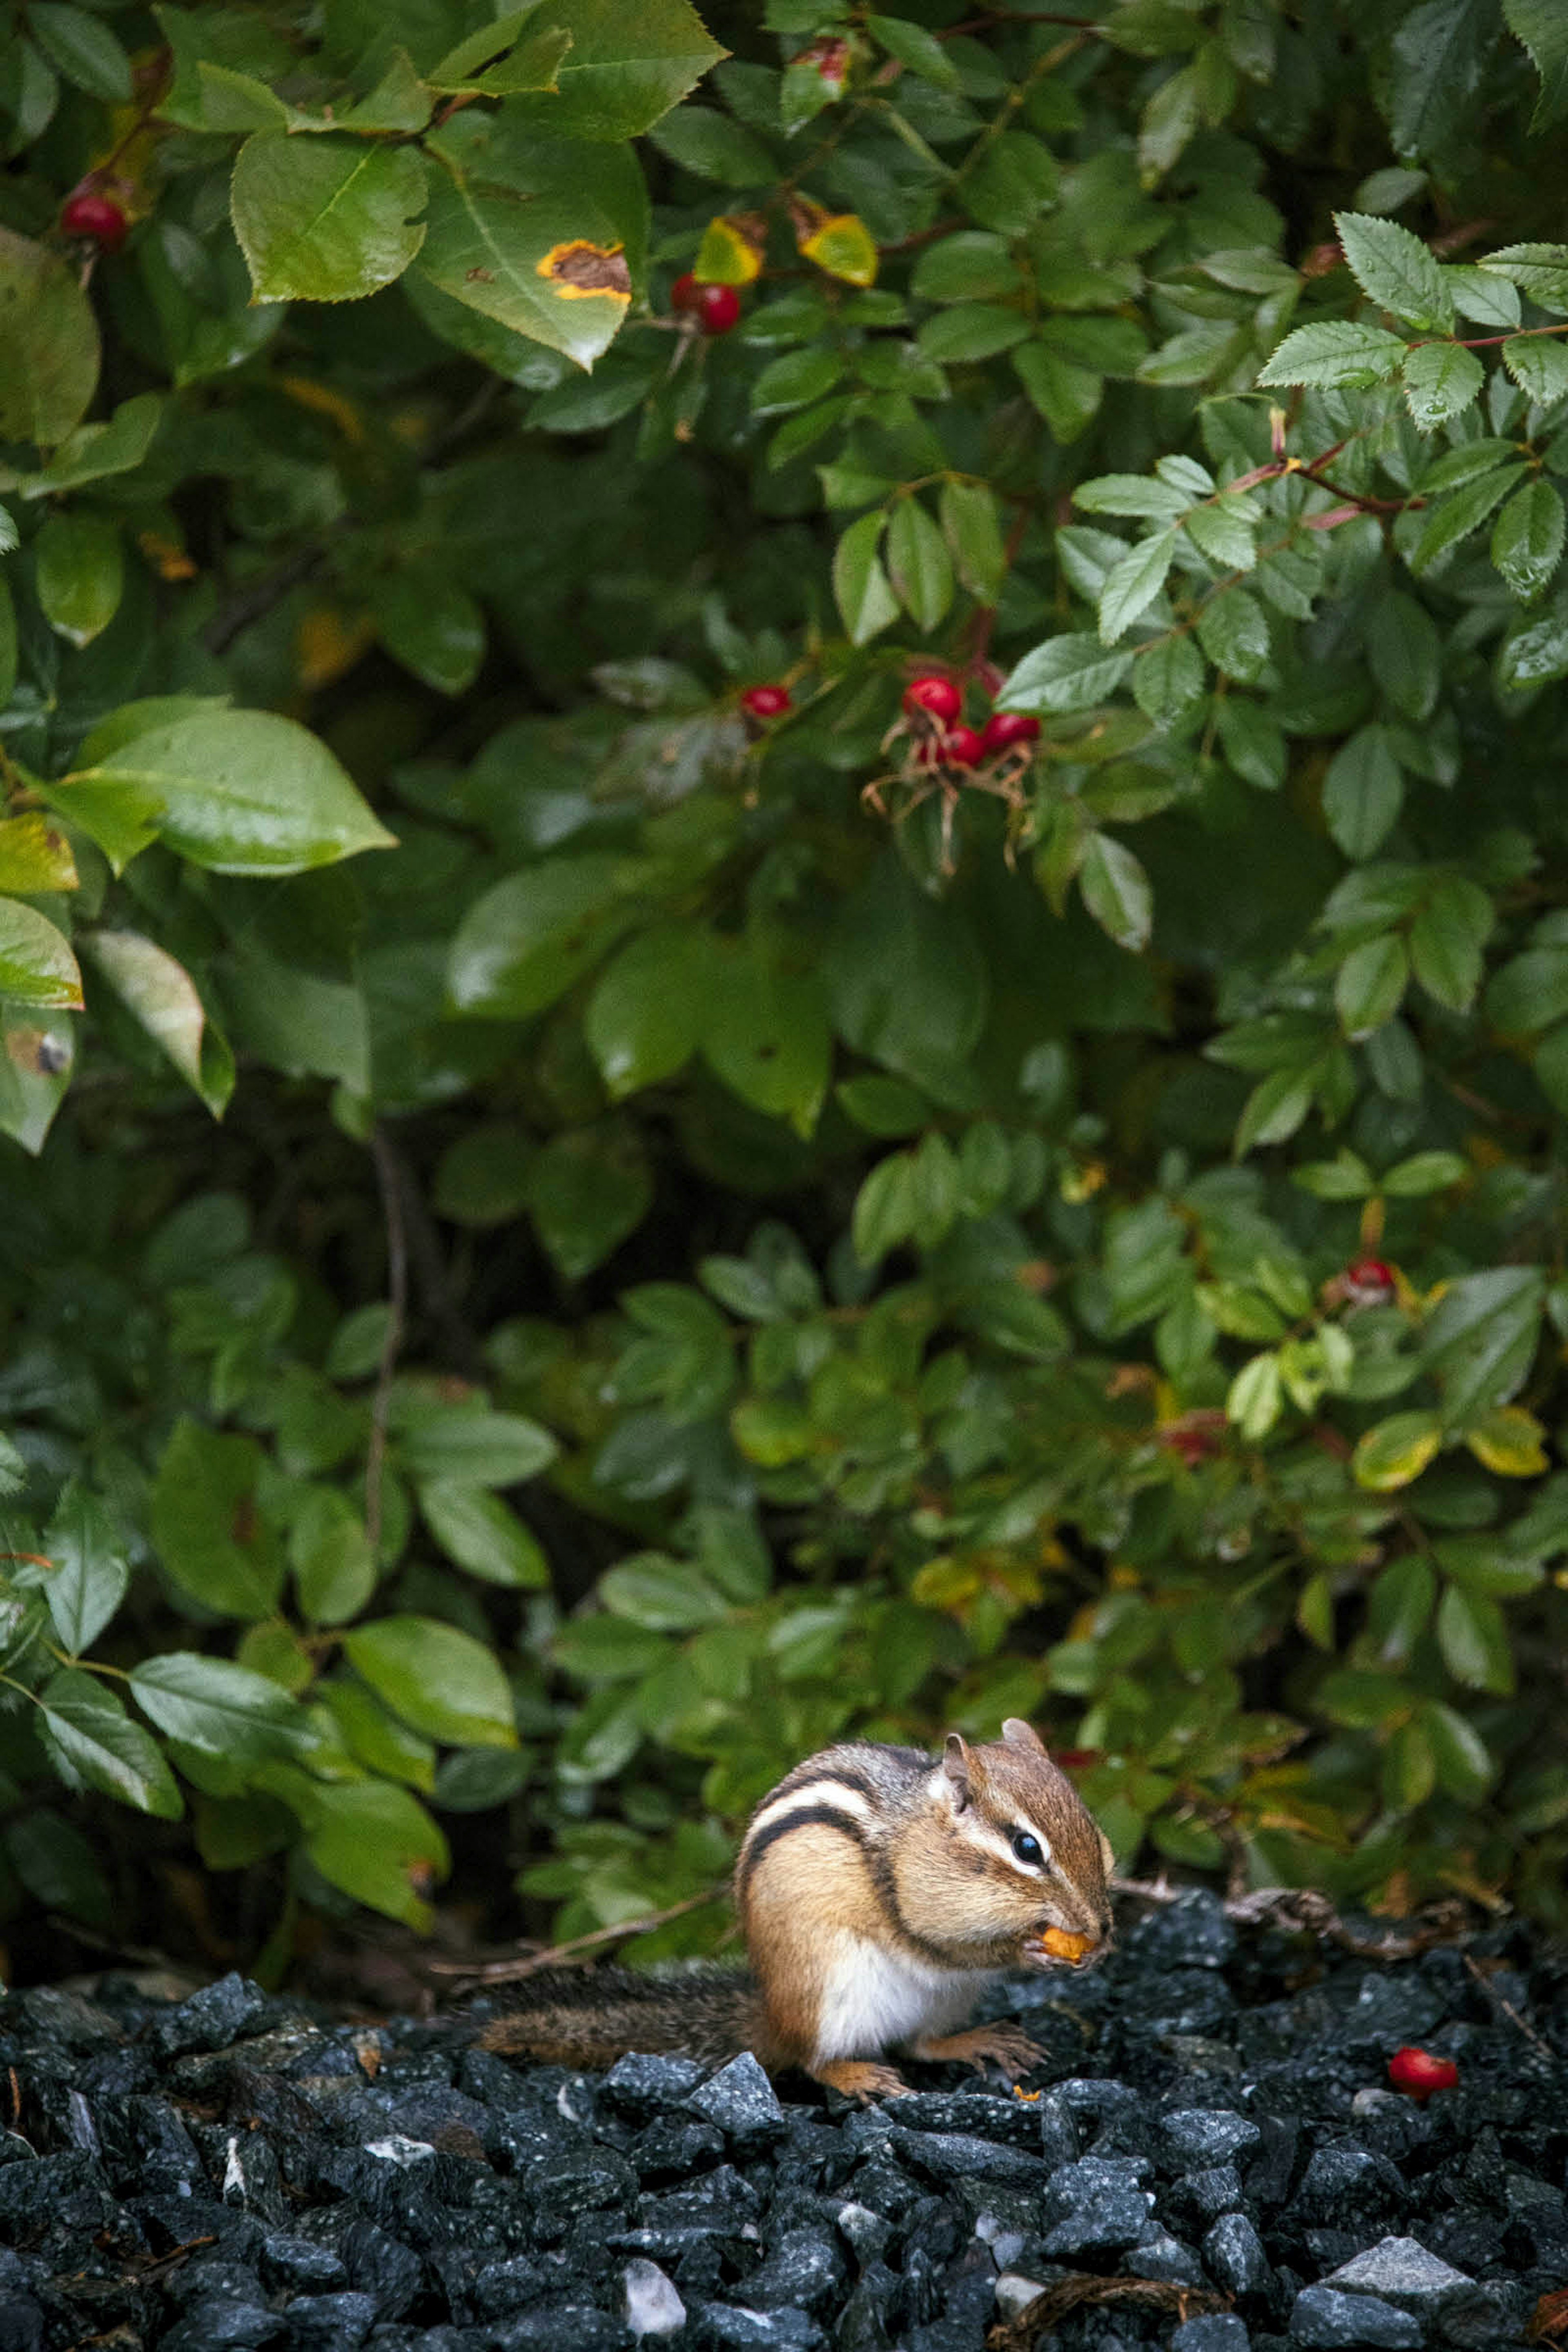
x=588, y=1189
x=1527, y=539
x=1529, y=992
x=90, y=1575
x=1406, y=652
x=1474, y=1641
x=162, y=997
x=207, y=1529
x=378, y=1740
x=1369, y=984
x=767, y=1035
x=433, y=626
x=476, y=1529
x=884, y=1213
x=1543, y=29
x=1362, y=792
x=973, y=533
x=36, y=966
x=1395, y=1452
x=82, y=48
x=669, y=1596
x=1436, y=61
x=1539, y=366
x=1335, y=351
x=330, y=1554
x=1067, y=673
x=1233, y=630
x=1423, y=1172
x=1395, y=270
x=1133, y=584
x=495, y=63
x=1453, y=518
x=1253, y=1400
x=240, y=792
x=58, y=1867
x=1465, y=1766
x=94, y=451
x=378, y=1843
x=919, y=565
x=1067, y=397
x=440, y=1680
x=1116, y=891
x=865, y=602
x=625, y=69
x=1446, y=940
x=548, y=263
x=1015, y=180
x=523, y=943
x=473, y=1444
x=1138, y=496
x=80, y=575
x=1535, y=655
x=1440, y=380
x=714, y=146
x=325, y=220
x=1481, y=1337
x=645, y=1018
x=1168, y=680
x=217, y=1707
x=94, y=1744
x=913, y=47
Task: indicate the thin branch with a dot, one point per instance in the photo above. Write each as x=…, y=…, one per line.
x=1507, y=2008
x=510, y=1971
x=387, y=1174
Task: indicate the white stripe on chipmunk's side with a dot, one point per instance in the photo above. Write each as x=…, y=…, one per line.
x=848, y=1801
x=873, y=1998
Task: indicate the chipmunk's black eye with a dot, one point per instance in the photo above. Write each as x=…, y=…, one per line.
x=1027, y=1849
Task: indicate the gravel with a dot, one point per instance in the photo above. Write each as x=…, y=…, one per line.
x=1211, y=2111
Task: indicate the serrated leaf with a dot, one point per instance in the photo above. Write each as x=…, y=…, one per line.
x=1543, y=27
x=1336, y=352
x=1527, y=539
x=94, y=1744
x=477, y=1530
x=1539, y=365
x=1133, y=584
x=217, y=1707
x=547, y=262
x=1369, y=984
x=439, y=1679
x=1441, y=379
x=90, y=1575
x=919, y=565
x=865, y=600
x=1233, y=630
x=1362, y=792
x=36, y=966
x=1454, y=517
x=1072, y=672
x=1446, y=939
x=1395, y=270
x=1474, y=1641
x=325, y=220
x=1116, y=891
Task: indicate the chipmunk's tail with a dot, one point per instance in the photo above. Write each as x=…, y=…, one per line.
x=591, y=2017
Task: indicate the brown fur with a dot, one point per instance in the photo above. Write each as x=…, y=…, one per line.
x=899, y=1857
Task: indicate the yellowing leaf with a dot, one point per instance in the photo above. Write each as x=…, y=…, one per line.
x=1397, y=1451
x=1509, y=1441
x=731, y=253
x=844, y=246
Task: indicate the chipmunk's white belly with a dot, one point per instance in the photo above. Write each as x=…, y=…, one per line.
x=874, y=1999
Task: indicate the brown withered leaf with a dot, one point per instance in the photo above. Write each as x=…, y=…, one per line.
x=1548, y=2323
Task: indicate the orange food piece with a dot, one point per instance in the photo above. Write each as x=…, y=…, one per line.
x=1057, y=1944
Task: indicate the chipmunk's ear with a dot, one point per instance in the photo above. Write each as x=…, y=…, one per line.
x=955, y=1764
x=1019, y=1734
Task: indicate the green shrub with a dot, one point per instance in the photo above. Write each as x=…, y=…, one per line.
x=933, y=1228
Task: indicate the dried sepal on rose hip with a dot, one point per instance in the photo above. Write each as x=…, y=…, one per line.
x=1418, y=2074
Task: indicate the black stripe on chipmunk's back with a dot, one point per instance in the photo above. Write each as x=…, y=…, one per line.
x=827, y=1817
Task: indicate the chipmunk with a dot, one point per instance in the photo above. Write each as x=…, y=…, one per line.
x=880, y=1889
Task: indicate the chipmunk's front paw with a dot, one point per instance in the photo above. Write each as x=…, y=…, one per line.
x=984, y=2045
x=858, y=2078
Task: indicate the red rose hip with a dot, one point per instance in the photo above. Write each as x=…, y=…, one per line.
x=766, y=701
x=715, y=307
x=1418, y=2073
x=1368, y=1282
x=1005, y=728
x=933, y=696
x=98, y=217
x=961, y=747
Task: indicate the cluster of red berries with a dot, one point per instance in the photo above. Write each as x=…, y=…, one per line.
x=715, y=307
x=91, y=214
x=933, y=702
